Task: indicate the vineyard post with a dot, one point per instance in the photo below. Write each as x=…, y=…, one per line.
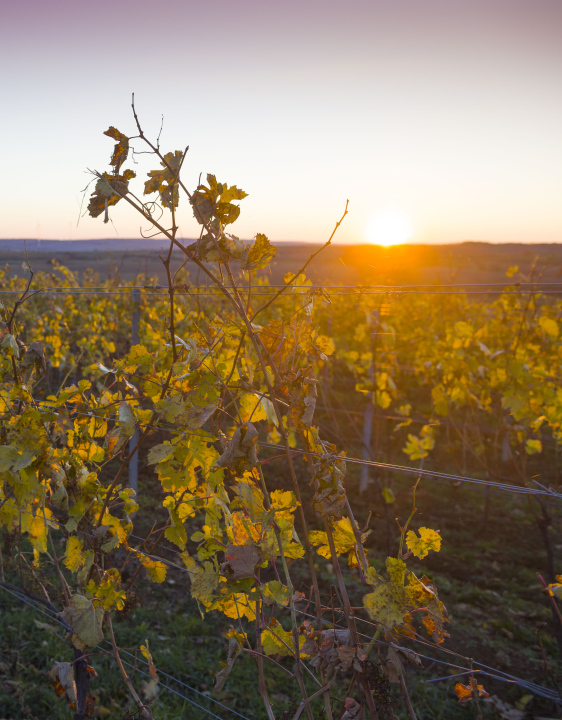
x=365, y=480
x=133, y=442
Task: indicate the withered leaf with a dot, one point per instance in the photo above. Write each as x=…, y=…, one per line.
x=331, y=649
x=352, y=709
x=34, y=361
x=394, y=666
x=121, y=150
x=61, y=676
x=241, y=562
x=329, y=499
x=303, y=401
x=109, y=189
x=240, y=454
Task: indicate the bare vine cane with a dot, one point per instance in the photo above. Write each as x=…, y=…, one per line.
x=144, y=711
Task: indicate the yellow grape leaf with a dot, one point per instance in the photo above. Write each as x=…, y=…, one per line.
x=549, y=326
x=73, y=558
x=533, y=446
x=275, y=641
x=344, y=538
x=428, y=540
x=108, y=591
x=251, y=498
x=37, y=529
x=284, y=499
x=251, y=406
x=556, y=588
x=235, y=606
x=396, y=569
x=391, y=601
x=155, y=569
x=383, y=399
x=148, y=657
x=510, y=272
x=260, y=253
x=325, y=344
x=388, y=605
x=464, y=692
x=388, y=496
x=468, y=692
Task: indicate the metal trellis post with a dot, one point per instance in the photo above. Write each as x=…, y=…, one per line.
x=367, y=452
x=134, y=462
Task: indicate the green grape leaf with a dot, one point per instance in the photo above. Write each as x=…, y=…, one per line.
x=159, y=453
x=85, y=621
x=12, y=459
x=274, y=592
x=204, y=582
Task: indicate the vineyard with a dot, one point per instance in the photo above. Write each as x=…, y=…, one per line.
x=235, y=498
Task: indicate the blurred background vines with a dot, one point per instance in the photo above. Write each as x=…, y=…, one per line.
x=321, y=468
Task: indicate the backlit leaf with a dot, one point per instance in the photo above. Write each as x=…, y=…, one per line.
x=428, y=540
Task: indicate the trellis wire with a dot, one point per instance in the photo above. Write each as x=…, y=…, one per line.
x=516, y=489
x=219, y=294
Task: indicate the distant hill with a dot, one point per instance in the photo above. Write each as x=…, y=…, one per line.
x=72, y=246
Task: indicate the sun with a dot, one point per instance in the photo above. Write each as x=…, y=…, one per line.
x=389, y=227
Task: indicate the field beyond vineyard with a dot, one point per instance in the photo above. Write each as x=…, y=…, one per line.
x=467, y=262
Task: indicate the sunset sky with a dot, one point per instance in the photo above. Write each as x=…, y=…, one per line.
x=440, y=120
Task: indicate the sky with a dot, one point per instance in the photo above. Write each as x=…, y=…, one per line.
x=439, y=120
